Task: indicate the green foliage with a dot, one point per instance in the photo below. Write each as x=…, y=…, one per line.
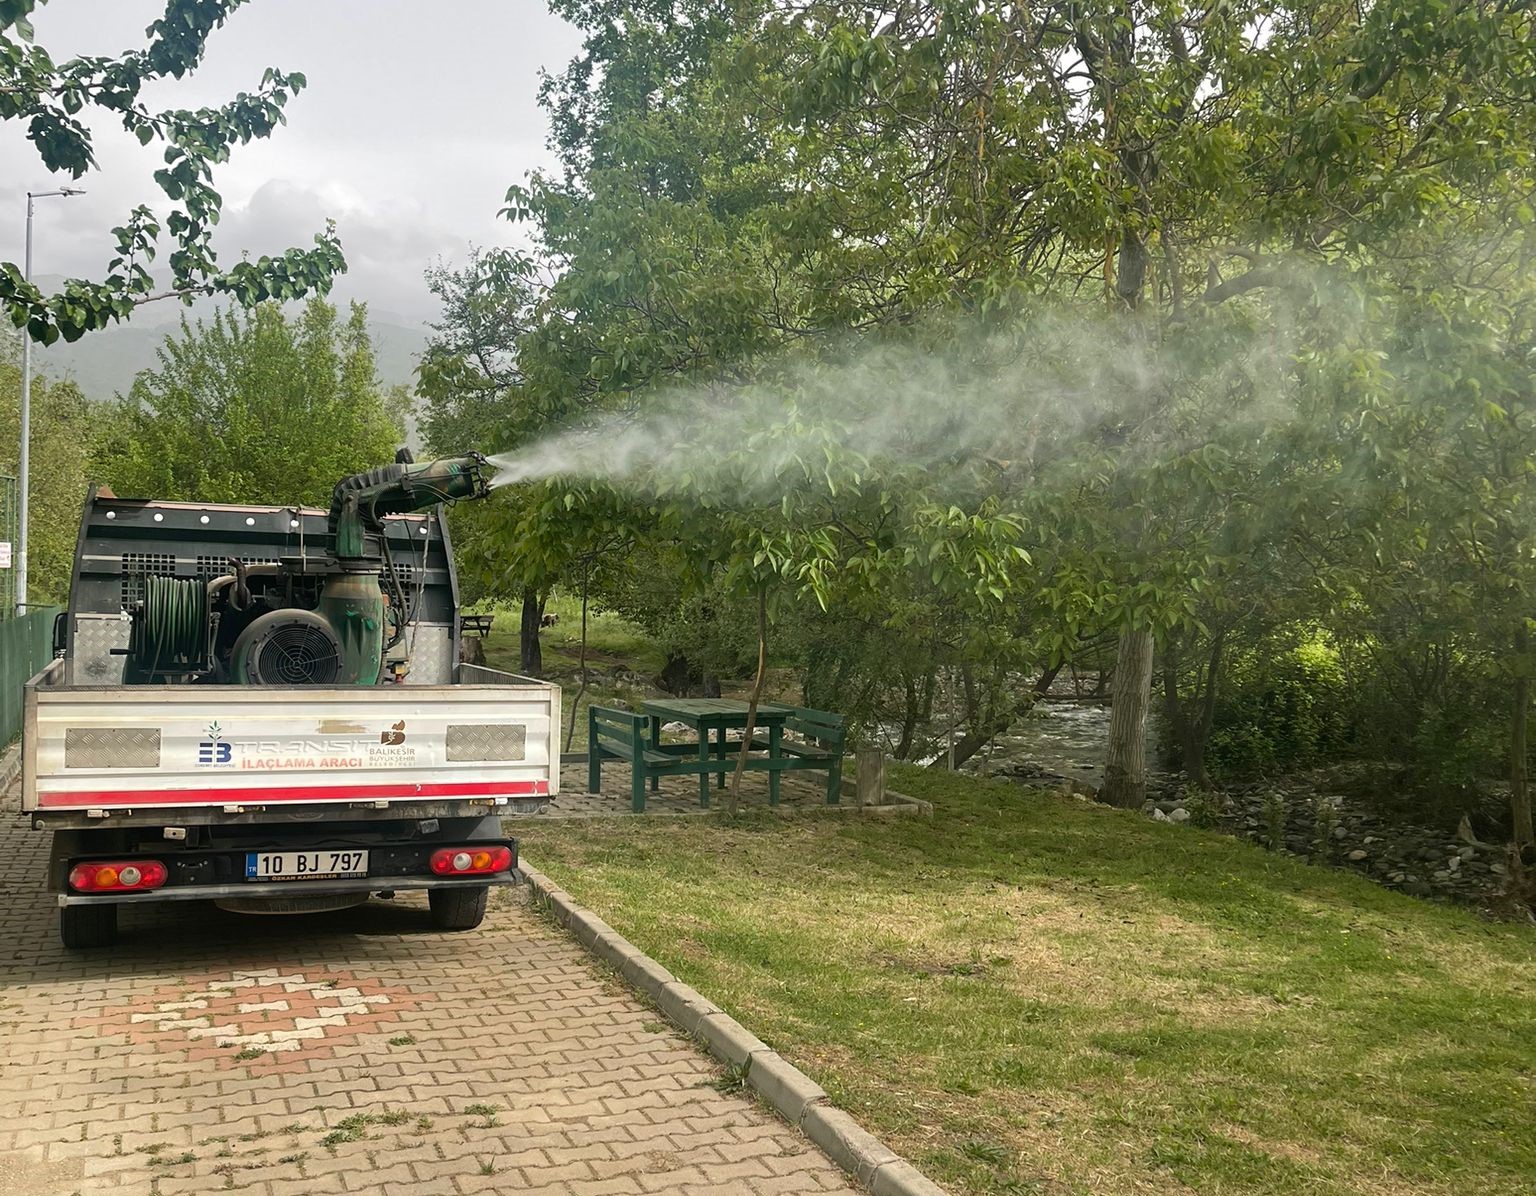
x=1282, y=706
x=1291, y=252
x=266, y=408
x=50, y=97
x=468, y=378
x=64, y=427
x=702, y=630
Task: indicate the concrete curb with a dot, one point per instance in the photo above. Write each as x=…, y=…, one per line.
x=788, y=1090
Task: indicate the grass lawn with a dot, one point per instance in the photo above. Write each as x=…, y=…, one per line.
x=1032, y=994
x=612, y=642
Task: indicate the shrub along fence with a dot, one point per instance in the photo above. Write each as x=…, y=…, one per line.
x=26, y=645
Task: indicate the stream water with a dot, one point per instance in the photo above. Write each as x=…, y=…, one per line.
x=1064, y=739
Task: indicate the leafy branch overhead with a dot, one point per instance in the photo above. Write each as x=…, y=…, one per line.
x=51, y=97
x=982, y=336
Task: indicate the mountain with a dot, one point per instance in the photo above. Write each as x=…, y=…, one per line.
x=103, y=364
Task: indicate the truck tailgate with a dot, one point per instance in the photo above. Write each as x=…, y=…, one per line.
x=147, y=747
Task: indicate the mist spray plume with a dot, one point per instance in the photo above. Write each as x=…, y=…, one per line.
x=1020, y=399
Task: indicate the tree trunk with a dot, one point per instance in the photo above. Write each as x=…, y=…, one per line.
x=1125, y=765
x=1190, y=721
x=682, y=678
x=1194, y=766
x=733, y=799
x=1173, y=705
x=531, y=653
x=581, y=691
x=1519, y=782
x=909, y=719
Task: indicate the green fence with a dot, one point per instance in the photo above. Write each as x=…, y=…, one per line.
x=26, y=645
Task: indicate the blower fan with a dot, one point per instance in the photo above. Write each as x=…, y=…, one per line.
x=287, y=647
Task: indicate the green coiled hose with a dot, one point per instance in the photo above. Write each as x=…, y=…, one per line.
x=171, y=629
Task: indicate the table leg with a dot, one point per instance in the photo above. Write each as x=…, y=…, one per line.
x=704, y=759
x=637, y=784
x=720, y=751
x=655, y=743
x=594, y=756
x=775, y=736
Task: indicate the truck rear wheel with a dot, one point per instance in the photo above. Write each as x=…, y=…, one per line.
x=85, y=926
x=458, y=908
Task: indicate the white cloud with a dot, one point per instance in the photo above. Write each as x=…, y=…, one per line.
x=415, y=121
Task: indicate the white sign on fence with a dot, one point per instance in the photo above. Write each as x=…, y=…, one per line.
x=5, y=554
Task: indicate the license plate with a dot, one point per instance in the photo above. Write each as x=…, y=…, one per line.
x=305, y=865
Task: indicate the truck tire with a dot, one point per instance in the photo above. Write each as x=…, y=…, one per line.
x=458, y=908
x=85, y=926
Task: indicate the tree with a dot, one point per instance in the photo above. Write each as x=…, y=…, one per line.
x=261, y=408
x=1447, y=457
x=63, y=430
x=50, y=96
x=1153, y=145
x=1229, y=202
x=473, y=395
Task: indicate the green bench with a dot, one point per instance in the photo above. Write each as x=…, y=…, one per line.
x=625, y=735
x=825, y=742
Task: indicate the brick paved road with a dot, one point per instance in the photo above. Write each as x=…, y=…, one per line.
x=392, y=1060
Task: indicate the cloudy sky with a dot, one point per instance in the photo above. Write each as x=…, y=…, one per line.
x=416, y=118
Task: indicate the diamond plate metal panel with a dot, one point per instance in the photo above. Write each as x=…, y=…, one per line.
x=91, y=652
x=112, y=747
x=431, y=655
x=487, y=741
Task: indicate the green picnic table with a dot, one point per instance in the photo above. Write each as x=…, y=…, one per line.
x=637, y=738
x=718, y=715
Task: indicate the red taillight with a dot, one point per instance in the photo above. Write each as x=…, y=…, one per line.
x=117, y=876
x=470, y=861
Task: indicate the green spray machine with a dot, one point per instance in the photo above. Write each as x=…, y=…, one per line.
x=323, y=618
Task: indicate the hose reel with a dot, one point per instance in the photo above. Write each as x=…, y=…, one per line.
x=171, y=630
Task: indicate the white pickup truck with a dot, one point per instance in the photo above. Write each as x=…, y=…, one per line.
x=254, y=706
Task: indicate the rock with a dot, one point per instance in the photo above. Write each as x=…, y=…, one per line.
x=675, y=728
x=1179, y=814
x=1417, y=888
x=1466, y=853
x=1441, y=874
x=1357, y=855
x=1340, y=832
x=1159, y=816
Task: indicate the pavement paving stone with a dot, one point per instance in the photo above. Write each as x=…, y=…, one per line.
x=357, y=1052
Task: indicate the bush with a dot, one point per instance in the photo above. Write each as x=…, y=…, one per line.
x=1282, y=706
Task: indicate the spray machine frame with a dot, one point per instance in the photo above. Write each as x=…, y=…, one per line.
x=334, y=619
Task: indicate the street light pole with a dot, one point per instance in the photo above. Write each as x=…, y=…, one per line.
x=24, y=463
